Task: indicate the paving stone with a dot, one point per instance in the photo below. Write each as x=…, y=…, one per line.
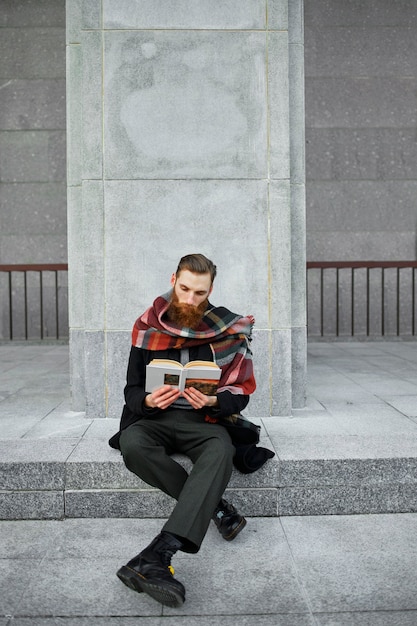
x=299, y=571
x=368, y=618
x=269, y=586
x=67, y=595
x=360, y=582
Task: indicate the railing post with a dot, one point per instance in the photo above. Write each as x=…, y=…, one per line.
x=321, y=302
x=41, y=301
x=337, y=302
x=56, y=304
x=413, y=301
x=367, y=300
x=398, y=301
x=382, y=301
x=352, y=312
x=10, y=308
x=26, y=303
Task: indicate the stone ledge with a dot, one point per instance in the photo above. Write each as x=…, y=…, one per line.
x=53, y=479
x=142, y=503
x=348, y=499
x=254, y=502
x=322, y=472
x=20, y=505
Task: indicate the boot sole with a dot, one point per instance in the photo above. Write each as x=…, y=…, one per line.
x=236, y=530
x=161, y=591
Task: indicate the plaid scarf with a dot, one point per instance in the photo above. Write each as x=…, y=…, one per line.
x=227, y=333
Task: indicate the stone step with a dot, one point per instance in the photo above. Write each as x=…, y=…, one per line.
x=54, y=479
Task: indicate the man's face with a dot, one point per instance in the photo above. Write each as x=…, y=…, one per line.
x=191, y=288
x=189, y=298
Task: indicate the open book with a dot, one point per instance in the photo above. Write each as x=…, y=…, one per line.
x=202, y=375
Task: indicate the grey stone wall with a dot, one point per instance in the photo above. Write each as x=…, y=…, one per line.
x=32, y=132
x=185, y=134
x=32, y=155
x=361, y=115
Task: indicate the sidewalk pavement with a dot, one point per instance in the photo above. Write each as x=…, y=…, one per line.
x=323, y=570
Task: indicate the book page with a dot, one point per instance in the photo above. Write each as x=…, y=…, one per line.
x=201, y=364
x=203, y=375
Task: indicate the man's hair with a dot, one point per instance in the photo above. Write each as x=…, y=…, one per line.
x=197, y=263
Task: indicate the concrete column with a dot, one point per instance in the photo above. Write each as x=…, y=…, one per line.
x=180, y=140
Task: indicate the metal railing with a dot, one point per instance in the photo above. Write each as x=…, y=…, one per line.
x=344, y=299
x=379, y=298
x=35, y=305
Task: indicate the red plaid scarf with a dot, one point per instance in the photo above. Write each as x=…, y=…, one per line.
x=227, y=333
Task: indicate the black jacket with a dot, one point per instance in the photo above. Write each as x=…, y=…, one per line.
x=135, y=393
x=248, y=458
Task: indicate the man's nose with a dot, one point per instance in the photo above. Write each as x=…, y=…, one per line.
x=190, y=298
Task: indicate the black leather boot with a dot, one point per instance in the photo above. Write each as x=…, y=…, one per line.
x=228, y=520
x=151, y=571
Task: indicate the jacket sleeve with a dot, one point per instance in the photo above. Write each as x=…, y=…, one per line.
x=135, y=383
x=228, y=403
x=135, y=394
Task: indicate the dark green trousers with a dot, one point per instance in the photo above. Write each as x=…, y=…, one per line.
x=147, y=447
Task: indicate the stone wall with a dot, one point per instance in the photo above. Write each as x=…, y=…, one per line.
x=361, y=116
x=32, y=132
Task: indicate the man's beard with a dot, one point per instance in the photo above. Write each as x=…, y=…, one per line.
x=186, y=315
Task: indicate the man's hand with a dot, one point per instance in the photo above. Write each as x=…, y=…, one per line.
x=197, y=399
x=162, y=398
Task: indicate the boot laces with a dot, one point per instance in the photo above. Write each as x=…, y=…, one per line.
x=225, y=510
x=166, y=556
x=166, y=553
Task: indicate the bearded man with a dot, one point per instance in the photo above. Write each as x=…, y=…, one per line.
x=183, y=325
